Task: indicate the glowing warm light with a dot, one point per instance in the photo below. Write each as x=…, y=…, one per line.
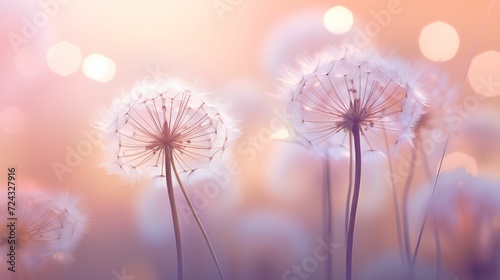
x=61, y=257
x=12, y=120
x=439, y=41
x=338, y=20
x=99, y=67
x=64, y=58
x=280, y=134
x=484, y=73
x=459, y=160
x=307, y=108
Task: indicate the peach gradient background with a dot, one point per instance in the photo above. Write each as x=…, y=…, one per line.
x=240, y=56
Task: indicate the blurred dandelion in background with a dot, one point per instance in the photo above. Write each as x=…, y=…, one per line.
x=259, y=234
x=351, y=108
x=167, y=129
x=48, y=228
x=466, y=212
x=429, y=130
x=344, y=96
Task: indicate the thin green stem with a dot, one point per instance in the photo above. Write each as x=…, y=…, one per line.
x=355, y=197
x=198, y=221
x=395, y=201
x=175, y=217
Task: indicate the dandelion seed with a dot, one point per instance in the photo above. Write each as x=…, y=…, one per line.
x=163, y=130
x=347, y=95
x=47, y=228
x=442, y=97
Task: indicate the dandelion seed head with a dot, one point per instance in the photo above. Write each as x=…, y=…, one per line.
x=460, y=195
x=73, y=228
x=46, y=227
x=155, y=121
x=442, y=99
x=339, y=88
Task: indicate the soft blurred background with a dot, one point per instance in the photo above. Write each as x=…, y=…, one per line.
x=62, y=62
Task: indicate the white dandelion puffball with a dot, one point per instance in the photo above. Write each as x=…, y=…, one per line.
x=460, y=196
x=154, y=122
x=442, y=97
x=46, y=228
x=340, y=88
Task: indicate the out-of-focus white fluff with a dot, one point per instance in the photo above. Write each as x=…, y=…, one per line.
x=466, y=211
x=458, y=193
x=73, y=228
x=47, y=227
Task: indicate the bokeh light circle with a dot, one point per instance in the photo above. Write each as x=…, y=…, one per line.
x=484, y=73
x=12, y=120
x=64, y=58
x=338, y=20
x=439, y=41
x=280, y=134
x=459, y=160
x=99, y=67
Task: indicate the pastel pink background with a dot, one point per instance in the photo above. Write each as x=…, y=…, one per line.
x=239, y=56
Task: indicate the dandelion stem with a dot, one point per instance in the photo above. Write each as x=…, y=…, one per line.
x=355, y=197
x=198, y=221
x=437, y=243
x=328, y=215
x=395, y=202
x=427, y=166
x=406, y=194
x=175, y=218
x=349, y=189
x=483, y=24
